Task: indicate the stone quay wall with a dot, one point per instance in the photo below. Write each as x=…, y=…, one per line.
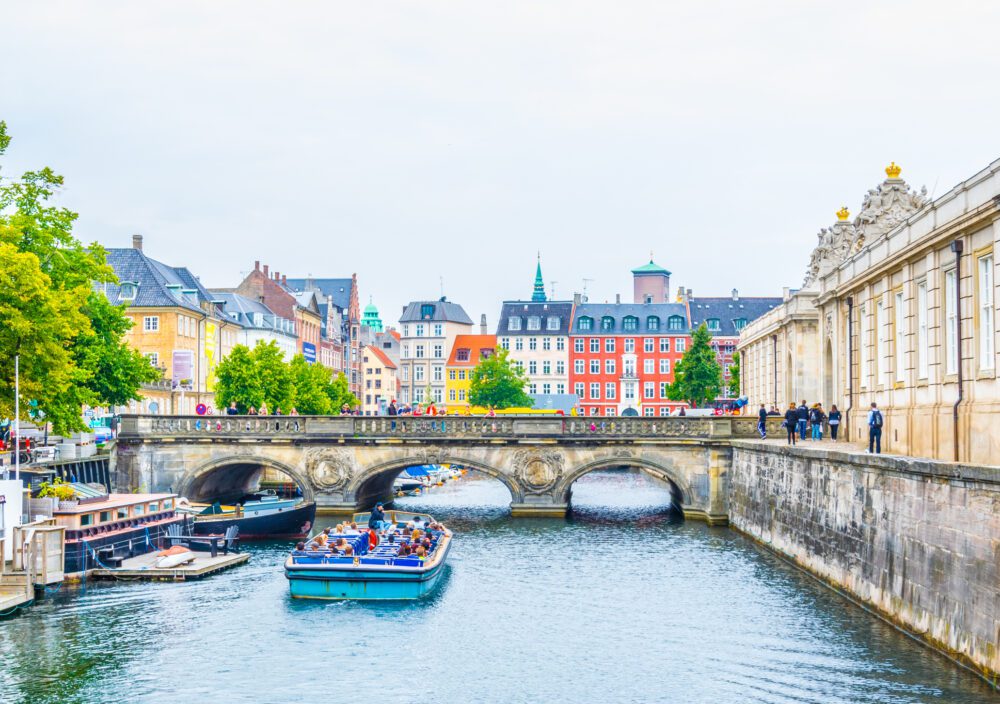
x=916, y=541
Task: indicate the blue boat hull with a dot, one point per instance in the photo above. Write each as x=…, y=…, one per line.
x=361, y=582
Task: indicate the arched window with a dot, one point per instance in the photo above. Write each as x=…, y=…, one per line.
x=652, y=323
x=585, y=323
x=675, y=322
x=630, y=323
x=607, y=323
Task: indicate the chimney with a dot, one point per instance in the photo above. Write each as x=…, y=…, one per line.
x=277, y=276
x=482, y=324
x=256, y=265
x=689, y=294
x=736, y=295
x=266, y=274
x=618, y=298
x=577, y=299
x=137, y=242
x=284, y=280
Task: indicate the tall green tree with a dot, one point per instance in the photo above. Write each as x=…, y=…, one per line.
x=697, y=377
x=734, y=376
x=255, y=377
x=339, y=392
x=311, y=382
x=498, y=382
x=68, y=370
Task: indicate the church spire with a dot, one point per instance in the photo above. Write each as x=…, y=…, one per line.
x=538, y=294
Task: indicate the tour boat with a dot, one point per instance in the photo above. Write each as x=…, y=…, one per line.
x=372, y=572
x=261, y=515
x=103, y=529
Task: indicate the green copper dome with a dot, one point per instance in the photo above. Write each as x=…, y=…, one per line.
x=651, y=268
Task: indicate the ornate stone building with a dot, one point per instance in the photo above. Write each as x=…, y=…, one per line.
x=898, y=307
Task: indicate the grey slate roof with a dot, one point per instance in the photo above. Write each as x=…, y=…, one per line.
x=153, y=279
x=444, y=312
x=340, y=289
x=728, y=310
x=619, y=311
x=239, y=308
x=522, y=309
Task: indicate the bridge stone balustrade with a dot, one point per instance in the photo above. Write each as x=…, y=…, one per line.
x=346, y=463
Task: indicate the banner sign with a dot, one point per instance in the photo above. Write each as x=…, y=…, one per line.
x=182, y=370
x=309, y=352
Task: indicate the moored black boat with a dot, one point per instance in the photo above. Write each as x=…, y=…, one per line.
x=291, y=522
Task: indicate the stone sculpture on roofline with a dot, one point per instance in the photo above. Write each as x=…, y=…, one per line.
x=883, y=209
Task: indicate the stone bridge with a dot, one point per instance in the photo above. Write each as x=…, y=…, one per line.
x=346, y=463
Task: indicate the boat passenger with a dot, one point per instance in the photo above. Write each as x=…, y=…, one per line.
x=421, y=553
x=354, y=526
x=300, y=546
x=377, y=518
x=415, y=535
x=349, y=550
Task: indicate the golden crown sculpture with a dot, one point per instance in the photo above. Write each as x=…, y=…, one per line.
x=893, y=170
x=843, y=213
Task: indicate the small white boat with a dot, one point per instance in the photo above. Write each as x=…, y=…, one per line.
x=173, y=557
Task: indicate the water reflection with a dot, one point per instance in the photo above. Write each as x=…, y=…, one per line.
x=622, y=602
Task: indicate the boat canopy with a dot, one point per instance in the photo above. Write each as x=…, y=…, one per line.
x=421, y=470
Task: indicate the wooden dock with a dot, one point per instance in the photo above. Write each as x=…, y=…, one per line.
x=141, y=567
x=12, y=597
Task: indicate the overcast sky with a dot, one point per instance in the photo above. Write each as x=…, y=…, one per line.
x=418, y=140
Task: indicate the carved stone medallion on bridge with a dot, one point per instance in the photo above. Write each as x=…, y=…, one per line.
x=330, y=468
x=538, y=469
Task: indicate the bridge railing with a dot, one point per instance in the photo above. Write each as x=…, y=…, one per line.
x=304, y=427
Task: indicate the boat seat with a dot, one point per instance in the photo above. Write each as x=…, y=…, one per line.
x=374, y=561
x=407, y=562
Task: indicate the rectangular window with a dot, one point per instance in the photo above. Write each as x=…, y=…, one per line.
x=663, y=389
x=420, y=330
x=514, y=323
x=405, y=351
x=438, y=373
x=648, y=366
x=664, y=344
x=438, y=332
x=578, y=389
x=154, y=358
x=987, y=331
x=629, y=345
x=533, y=343
x=648, y=389
x=595, y=344
x=609, y=366
x=664, y=410
x=561, y=344
x=438, y=395
x=406, y=331
x=560, y=388
x=882, y=343
x=461, y=394
x=664, y=366
x=648, y=411
x=420, y=351
x=451, y=375
x=680, y=345
x=518, y=344
x=532, y=367
x=546, y=367
x=439, y=352
x=595, y=390
x=900, y=341
x=151, y=323
x=505, y=342
x=922, y=349
x=534, y=322
x=578, y=366
x=418, y=395
x=578, y=344
x=609, y=344
x=647, y=344
x=87, y=519
x=560, y=367
x=406, y=373
x=418, y=373
x=546, y=388
x=610, y=391
x=461, y=374
x=452, y=395
x=595, y=366
x=546, y=343
x=863, y=343
x=951, y=323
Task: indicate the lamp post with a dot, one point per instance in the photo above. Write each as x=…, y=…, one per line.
x=17, y=417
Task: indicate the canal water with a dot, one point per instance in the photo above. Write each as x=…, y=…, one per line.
x=620, y=603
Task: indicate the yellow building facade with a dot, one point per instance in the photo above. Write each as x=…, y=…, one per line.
x=466, y=353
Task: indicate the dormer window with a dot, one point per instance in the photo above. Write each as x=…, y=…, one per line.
x=552, y=323
x=427, y=311
x=652, y=323
x=128, y=290
x=740, y=323
x=513, y=323
x=630, y=323
x=713, y=324
x=607, y=323
x=585, y=323
x=462, y=354
x=675, y=322
x=486, y=353
x=534, y=322
x=191, y=295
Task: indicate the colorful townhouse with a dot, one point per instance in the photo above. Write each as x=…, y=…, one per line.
x=427, y=334
x=466, y=352
x=178, y=325
x=536, y=334
x=273, y=291
x=340, y=333
x=380, y=383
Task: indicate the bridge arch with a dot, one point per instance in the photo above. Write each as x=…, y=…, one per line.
x=375, y=482
x=209, y=477
x=680, y=489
